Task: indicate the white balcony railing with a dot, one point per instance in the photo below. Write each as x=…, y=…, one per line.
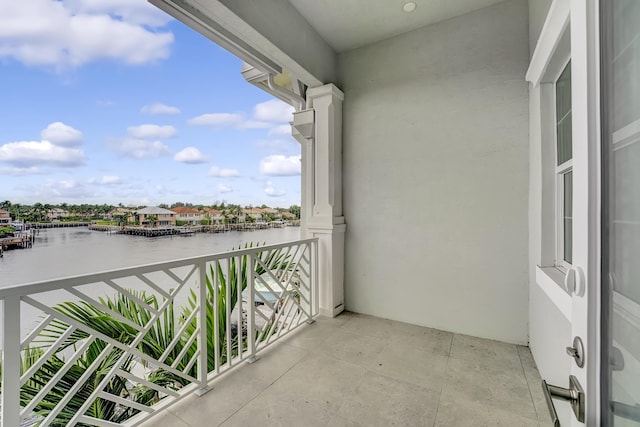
x=114, y=348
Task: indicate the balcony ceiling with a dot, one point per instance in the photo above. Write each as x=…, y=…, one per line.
x=350, y=24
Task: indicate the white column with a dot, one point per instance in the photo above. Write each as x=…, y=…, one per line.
x=319, y=130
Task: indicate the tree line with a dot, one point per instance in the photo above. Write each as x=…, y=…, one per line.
x=38, y=212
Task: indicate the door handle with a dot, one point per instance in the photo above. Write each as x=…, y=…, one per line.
x=574, y=395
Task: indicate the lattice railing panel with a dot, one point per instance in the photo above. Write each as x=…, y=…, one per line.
x=113, y=348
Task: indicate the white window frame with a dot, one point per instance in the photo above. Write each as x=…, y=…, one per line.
x=560, y=171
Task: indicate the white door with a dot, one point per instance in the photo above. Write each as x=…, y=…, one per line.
x=565, y=300
x=598, y=215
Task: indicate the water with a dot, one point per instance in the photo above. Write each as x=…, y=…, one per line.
x=65, y=252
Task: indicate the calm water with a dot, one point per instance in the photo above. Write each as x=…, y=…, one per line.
x=67, y=252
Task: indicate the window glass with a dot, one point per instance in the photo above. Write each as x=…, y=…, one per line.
x=563, y=115
x=567, y=216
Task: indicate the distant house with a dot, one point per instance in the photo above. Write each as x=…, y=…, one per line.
x=164, y=216
x=5, y=217
x=122, y=212
x=261, y=214
x=56, y=214
x=255, y=213
x=288, y=216
x=214, y=215
x=188, y=215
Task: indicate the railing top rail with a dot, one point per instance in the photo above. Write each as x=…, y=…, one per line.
x=67, y=282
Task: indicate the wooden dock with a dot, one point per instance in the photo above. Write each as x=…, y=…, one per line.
x=40, y=225
x=21, y=241
x=145, y=231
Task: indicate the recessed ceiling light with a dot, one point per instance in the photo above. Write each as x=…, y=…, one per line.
x=409, y=6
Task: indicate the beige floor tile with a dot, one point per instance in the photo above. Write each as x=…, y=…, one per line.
x=354, y=348
x=429, y=340
x=462, y=413
x=384, y=401
x=480, y=350
x=311, y=337
x=165, y=419
x=227, y=396
x=496, y=386
x=534, y=380
x=322, y=380
x=370, y=326
x=280, y=409
x=411, y=365
x=273, y=362
x=339, y=421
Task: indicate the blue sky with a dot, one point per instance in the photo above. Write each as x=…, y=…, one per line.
x=111, y=101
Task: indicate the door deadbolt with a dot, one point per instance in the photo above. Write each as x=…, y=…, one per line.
x=577, y=352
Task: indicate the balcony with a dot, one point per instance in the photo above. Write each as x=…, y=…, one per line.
x=140, y=346
x=358, y=370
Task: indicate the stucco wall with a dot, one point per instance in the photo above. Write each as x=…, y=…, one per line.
x=435, y=175
x=538, y=10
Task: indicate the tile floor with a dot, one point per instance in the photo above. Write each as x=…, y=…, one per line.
x=358, y=370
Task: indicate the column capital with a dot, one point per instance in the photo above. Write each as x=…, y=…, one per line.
x=325, y=90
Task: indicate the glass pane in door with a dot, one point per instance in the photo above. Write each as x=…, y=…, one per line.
x=567, y=217
x=621, y=212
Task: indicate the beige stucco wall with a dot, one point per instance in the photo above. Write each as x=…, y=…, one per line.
x=435, y=172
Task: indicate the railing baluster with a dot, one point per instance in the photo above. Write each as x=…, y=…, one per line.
x=251, y=306
x=313, y=280
x=216, y=315
x=228, y=308
x=240, y=331
x=11, y=362
x=202, y=332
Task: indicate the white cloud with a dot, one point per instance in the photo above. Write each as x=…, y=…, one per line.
x=217, y=119
x=69, y=188
x=190, y=155
x=138, y=148
x=62, y=135
x=159, y=108
x=280, y=130
x=271, y=191
x=110, y=180
x=71, y=33
x=138, y=12
x=273, y=111
x=278, y=165
x=223, y=188
x=152, y=132
x=223, y=173
x=20, y=171
x=254, y=124
x=27, y=154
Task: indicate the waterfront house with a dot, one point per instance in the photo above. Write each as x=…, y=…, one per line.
x=121, y=212
x=163, y=217
x=188, y=216
x=214, y=215
x=468, y=166
x=5, y=217
x=57, y=214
